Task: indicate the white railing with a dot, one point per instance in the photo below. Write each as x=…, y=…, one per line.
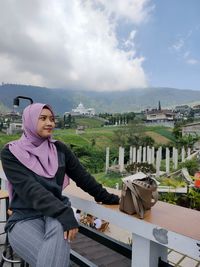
x=151, y=240
x=165, y=226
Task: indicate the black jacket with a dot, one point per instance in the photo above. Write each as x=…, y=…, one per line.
x=36, y=196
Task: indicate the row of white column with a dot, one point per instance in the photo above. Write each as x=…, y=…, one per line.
x=147, y=154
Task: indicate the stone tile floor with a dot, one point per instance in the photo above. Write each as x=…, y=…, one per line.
x=179, y=260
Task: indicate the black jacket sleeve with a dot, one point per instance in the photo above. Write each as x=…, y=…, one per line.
x=32, y=192
x=86, y=181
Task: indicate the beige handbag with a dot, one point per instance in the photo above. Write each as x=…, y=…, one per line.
x=139, y=193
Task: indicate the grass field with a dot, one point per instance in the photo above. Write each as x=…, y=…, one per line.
x=89, y=122
x=99, y=136
x=158, y=138
x=102, y=136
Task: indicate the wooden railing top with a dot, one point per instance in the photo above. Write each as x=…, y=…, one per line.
x=177, y=219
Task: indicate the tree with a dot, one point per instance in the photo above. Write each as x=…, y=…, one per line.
x=187, y=141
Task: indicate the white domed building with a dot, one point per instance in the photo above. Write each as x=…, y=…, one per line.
x=81, y=110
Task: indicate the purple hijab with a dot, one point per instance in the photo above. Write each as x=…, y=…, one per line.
x=35, y=152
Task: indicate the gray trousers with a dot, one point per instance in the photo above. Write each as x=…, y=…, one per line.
x=40, y=242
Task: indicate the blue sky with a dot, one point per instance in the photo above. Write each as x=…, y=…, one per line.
x=100, y=45
x=170, y=42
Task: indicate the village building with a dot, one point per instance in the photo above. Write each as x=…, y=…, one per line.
x=191, y=129
x=160, y=116
x=196, y=107
x=182, y=108
x=14, y=128
x=80, y=129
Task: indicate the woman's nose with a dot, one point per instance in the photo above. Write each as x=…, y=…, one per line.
x=49, y=121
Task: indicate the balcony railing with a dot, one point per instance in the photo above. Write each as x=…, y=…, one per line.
x=165, y=226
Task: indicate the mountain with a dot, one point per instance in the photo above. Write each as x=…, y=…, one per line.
x=124, y=101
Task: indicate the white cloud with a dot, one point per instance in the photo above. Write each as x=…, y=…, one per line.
x=136, y=11
x=192, y=61
x=70, y=44
x=178, y=45
x=182, y=47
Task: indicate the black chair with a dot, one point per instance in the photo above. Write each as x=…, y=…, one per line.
x=8, y=254
x=4, y=196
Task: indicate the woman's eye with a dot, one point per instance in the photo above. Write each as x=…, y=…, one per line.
x=42, y=118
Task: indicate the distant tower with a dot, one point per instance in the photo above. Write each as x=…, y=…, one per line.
x=159, y=105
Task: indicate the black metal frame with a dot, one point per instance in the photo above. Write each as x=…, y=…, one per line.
x=8, y=254
x=163, y=264
x=117, y=246
x=101, y=238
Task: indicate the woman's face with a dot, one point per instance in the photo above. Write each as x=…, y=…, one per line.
x=46, y=123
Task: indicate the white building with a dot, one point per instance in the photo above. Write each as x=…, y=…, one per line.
x=81, y=110
x=191, y=129
x=14, y=128
x=160, y=117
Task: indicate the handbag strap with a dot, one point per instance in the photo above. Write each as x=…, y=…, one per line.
x=136, y=199
x=154, y=197
x=154, y=192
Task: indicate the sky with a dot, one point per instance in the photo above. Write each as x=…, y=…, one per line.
x=100, y=45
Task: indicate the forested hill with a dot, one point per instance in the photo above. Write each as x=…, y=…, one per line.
x=131, y=100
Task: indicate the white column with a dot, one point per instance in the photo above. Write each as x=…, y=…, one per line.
x=167, y=156
x=119, y=159
x=175, y=158
x=131, y=155
x=149, y=155
x=182, y=154
x=107, y=158
x=153, y=155
x=144, y=154
x=160, y=149
x=134, y=154
x=138, y=155
x=158, y=163
x=188, y=151
x=121, y=164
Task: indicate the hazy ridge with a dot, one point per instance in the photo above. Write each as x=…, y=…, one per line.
x=124, y=101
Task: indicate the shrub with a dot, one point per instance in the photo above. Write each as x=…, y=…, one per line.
x=140, y=166
x=191, y=165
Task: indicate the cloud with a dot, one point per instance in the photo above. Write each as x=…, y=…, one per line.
x=182, y=47
x=178, y=45
x=192, y=61
x=136, y=11
x=71, y=44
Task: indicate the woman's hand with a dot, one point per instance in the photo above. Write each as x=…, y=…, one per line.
x=70, y=234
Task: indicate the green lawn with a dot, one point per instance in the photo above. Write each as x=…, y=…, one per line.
x=164, y=131
x=109, y=180
x=89, y=122
x=101, y=136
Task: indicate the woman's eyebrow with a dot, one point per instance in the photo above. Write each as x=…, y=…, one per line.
x=43, y=116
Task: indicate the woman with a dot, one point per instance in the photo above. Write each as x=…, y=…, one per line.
x=42, y=224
